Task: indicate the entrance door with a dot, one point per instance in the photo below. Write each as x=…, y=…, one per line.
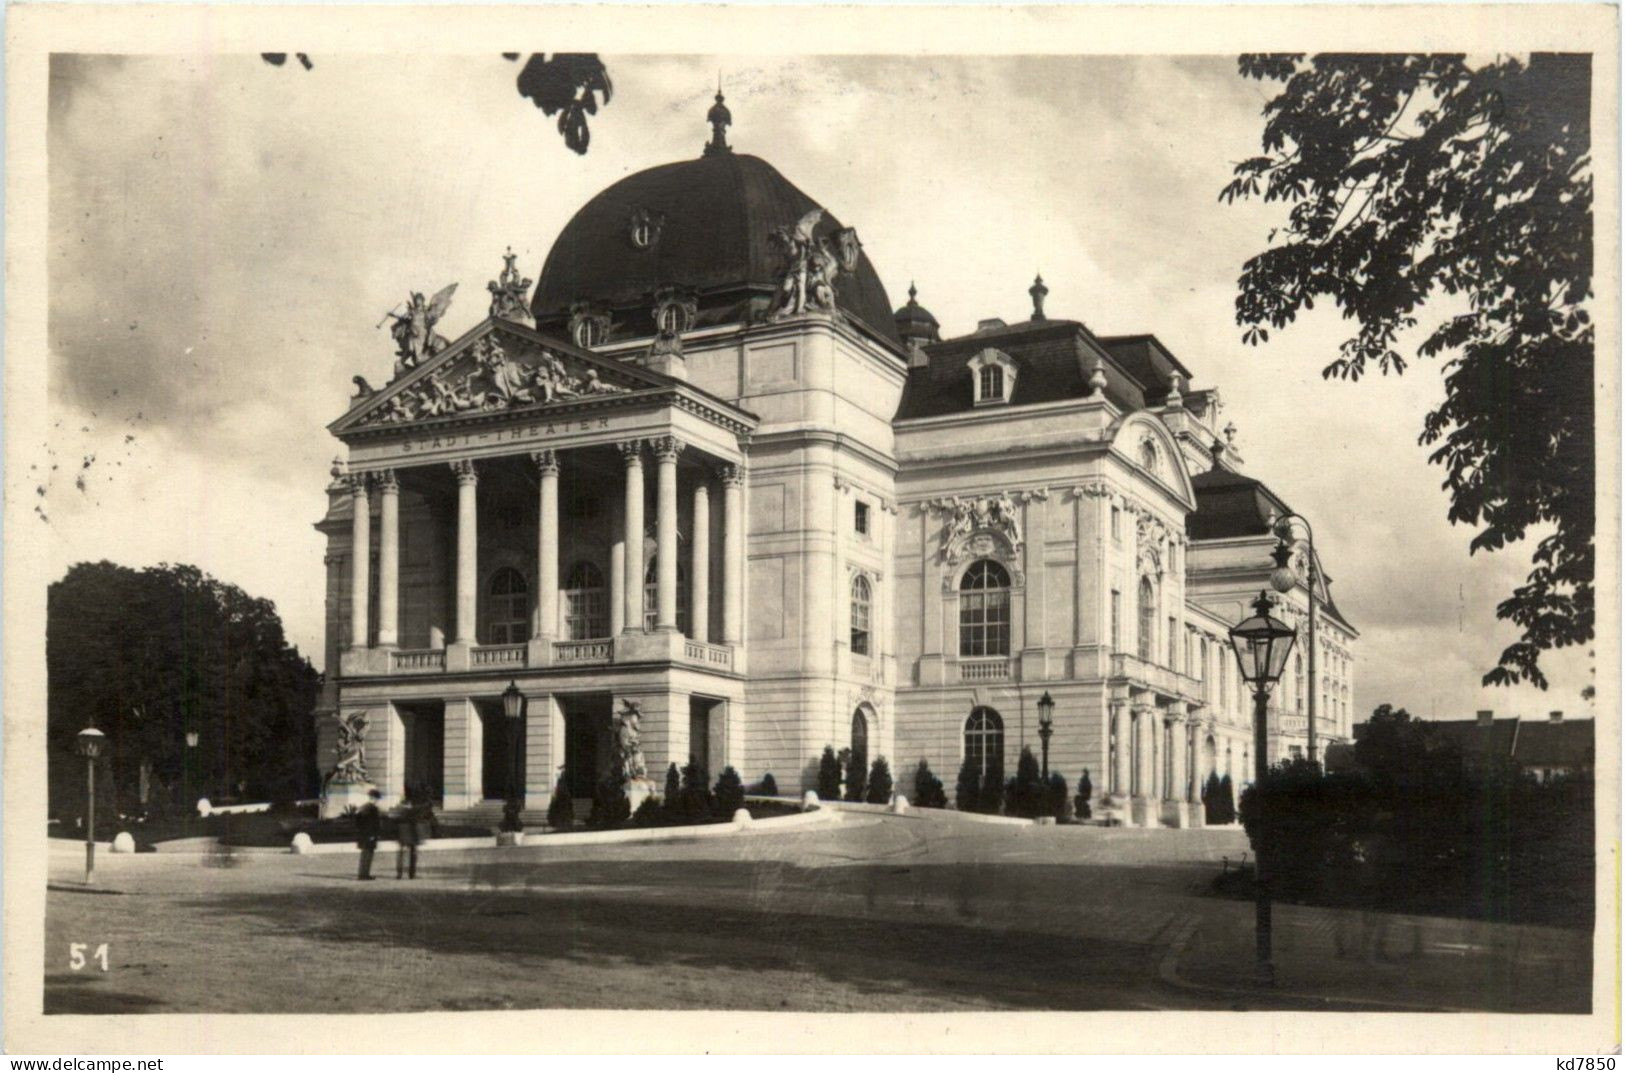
x=586, y=744
x=500, y=774
x=425, y=747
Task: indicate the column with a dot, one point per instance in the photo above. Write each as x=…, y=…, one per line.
x=733, y=552
x=699, y=567
x=841, y=584
x=632, y=528
x=464, y=754
x=360, y=558
x=468, y=542
x=1122, y=729
x=617, y=567
x=389, y=557
x=666, y=448
x=547, y=545
x=1178, y=788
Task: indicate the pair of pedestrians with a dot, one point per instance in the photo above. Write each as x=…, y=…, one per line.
x=414, y=820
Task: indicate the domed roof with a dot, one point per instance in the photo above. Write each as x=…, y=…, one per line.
x=703, y=225
x=914, y=321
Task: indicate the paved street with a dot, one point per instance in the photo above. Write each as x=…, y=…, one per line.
x=875, y=913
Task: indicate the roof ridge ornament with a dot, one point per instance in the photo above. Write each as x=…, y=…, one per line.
x=508, y=292
x=720, y=119
x=1039, y=293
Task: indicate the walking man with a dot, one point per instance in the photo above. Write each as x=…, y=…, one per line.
x=368, y=822
x=409, y=834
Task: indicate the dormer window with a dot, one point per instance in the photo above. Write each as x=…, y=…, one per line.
x=588, y=332
x=993, y=377
x=589, y=324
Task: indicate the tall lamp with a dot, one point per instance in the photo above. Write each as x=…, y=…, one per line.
x=187, y=781
x=513, y=707
x=1262, y=643
x=1046, y=726
x=89, y=744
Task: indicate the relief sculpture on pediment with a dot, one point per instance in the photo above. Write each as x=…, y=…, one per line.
x=492, y=380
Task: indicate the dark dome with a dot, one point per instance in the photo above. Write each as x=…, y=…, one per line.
x=914, y=321
x=712, y=224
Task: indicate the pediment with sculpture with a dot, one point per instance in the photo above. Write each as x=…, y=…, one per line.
x=498, y=370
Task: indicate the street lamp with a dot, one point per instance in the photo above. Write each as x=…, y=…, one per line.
x=1262, y=644
x=188, y=806
x=1284, y=579
x=513, y=707
x=89, y=743
x=1046, y=726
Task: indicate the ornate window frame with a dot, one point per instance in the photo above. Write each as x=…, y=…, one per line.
x=984, y=362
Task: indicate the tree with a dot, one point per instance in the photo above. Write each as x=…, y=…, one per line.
x=928, y=792
x=992, y=795
x=1056, y=802
x=1025, y=794
x=150, y=654
x=769, y=786
x=568, y=83
x=856, y=768
x=729, y=793
x=694, y=799
x=561, y=811
x=829, y=776
x=1424, y=182
x=880, y=783
x=674, y=786
x=1226, y=801
x=968, y=788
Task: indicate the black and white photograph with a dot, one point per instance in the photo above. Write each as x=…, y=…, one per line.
x=974, y=511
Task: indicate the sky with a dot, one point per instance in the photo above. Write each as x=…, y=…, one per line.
x=225, y=235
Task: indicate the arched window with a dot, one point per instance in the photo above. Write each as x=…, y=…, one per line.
x=984, y=741
x=589, y=332
x=1202, y=670
x=862, y=599
x=992, y=382
x=673, y=318
x=651, y=595
x=1300, y=695
x=984, y=610
x=585, y=604
x=1148, y=618
x=507, y=609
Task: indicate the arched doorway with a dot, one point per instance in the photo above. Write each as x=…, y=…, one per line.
x=857, y=771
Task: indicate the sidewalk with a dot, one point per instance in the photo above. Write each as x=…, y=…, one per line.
x=1385, y=960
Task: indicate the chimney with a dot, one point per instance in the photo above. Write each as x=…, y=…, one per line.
x=1486, y=716
x=1557, y=717
x=991, y=324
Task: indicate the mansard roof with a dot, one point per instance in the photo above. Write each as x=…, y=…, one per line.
x=548, y=374
x=1054, y=359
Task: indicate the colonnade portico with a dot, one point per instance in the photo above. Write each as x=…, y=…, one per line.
x=1152, y=761
x=374, y=647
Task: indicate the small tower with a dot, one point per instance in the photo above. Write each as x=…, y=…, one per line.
x=720, y=119
x=1039, y=293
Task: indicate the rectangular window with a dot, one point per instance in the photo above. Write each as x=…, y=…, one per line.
x=1173, y=645
x=1117, y=523
x=984, y=623
x=586, y=614
x=1117, y=618
x=860, y=517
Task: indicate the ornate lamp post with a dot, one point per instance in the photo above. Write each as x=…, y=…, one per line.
x=1284, y=579
x=513, y=707
x=1046, y=726
x=186, y=770
x=89, y=744
x=1262, y=643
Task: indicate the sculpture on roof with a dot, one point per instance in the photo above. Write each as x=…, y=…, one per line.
x=811, y=265
x=508, y=291
x=413, y=330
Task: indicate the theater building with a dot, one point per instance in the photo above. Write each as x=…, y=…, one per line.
x=707, y=468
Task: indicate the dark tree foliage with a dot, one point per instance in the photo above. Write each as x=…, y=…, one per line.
x=694, y=798
x=968, y=788
x=856, y=766
x=1059, y=805
x=1424, y=182
x=1086, y=793
x=729, y=793
x=1026, y=794
x=148, y=654
x=513, y=815
x=1226, y=801
x=610, y=805
x=880, y=783
x=568, y=83
x=674, y=785
x=829, y=776
x=769, y=786
x=561, y=811
x=928, y=791
x=992, y=796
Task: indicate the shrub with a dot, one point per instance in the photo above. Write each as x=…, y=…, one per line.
x=648, y=814
x=928, y=791
x=511, y=819
x=880, y=784
x=829, y=776
x=610, y=805
x=729, y=793
x=1086, y=793
x=769, y=786
x=693, y=798
x=1025, y=794
x=673, y=786
x=968, y=788
x=1060, y=806
x=1227, y=800
x=561, y=811
x=992, y=795
x=853, y=769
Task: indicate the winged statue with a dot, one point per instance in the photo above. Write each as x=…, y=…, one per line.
x=415, y=337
